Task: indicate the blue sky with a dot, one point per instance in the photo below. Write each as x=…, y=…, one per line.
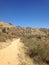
x=27, y=13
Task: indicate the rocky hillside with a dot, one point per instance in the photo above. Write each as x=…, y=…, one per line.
x=35, y=39
x=17, y=31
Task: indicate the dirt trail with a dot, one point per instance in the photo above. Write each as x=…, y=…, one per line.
x=14, y=54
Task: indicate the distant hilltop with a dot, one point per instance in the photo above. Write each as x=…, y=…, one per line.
x=9, y=25
x=9, y=31
x=28, y=30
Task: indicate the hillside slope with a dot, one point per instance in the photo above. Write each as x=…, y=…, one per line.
x=14, y=54
x=33, y=44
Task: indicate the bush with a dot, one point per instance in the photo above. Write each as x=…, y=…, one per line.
x=38, y=50
x=4, y=30
x=10, y=23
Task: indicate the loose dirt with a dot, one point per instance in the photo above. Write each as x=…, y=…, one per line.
x=14, y=54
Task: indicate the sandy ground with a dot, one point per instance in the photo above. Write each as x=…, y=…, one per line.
x=14, y=54
x=8, y=54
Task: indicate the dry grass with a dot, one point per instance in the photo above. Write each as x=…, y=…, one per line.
x=38, y=49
